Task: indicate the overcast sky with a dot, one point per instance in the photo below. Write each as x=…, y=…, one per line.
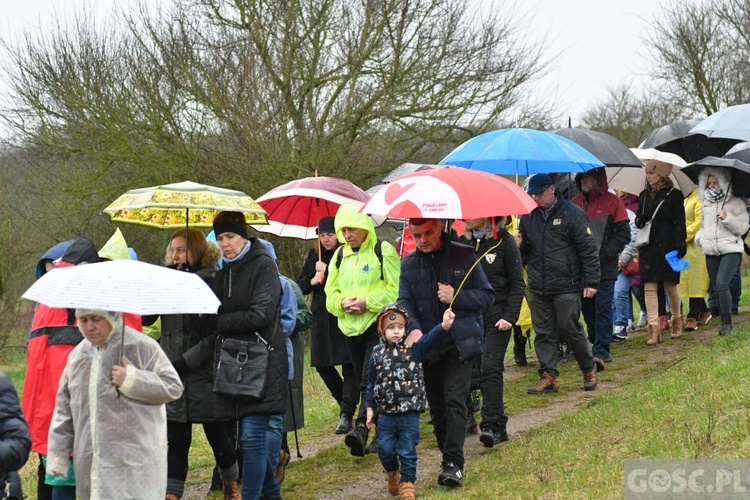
x=597, y=43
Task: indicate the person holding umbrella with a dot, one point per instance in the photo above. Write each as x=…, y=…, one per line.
x=725, y=221
x=328, y=347
x=661, y=205
x=110, y=411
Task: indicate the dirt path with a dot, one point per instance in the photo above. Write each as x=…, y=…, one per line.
x=370, y=484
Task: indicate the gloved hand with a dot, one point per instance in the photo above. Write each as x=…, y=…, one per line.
x=641, y=220
x=181, y=366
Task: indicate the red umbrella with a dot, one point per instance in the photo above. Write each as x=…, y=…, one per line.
x=295, y=208
x=449, y=193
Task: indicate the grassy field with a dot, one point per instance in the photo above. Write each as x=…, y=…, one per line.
x=683, y=399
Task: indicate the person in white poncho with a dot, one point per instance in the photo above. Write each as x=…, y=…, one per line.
x=110, y=411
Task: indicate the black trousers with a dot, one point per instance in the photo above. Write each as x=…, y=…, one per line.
x=360, y=349
x=343, y=387
x=179, y=438
x=491, y=379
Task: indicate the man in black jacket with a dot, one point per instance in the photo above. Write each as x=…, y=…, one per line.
x=430, y=279
x=557, y=244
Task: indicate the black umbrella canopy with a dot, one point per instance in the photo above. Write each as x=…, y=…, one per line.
x=675, y=138
x=739, y=170
x=607, y=149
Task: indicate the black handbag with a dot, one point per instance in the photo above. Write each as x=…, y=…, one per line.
x=243, y=367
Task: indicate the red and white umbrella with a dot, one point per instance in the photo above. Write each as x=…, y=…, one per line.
x=295, y=208
x=449, y=193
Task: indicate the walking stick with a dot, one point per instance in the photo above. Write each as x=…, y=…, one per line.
x=294, y=419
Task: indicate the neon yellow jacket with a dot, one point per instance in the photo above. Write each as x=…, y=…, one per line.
x=359, y=274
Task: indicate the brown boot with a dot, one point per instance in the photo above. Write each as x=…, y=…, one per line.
x=547, y=383
x=393, y=478
x=676, y=327
x=654, y=335
x=171, y=496
x=231, y=490
x=407, y=490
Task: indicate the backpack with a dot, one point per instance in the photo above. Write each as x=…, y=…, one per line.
x=378, y=254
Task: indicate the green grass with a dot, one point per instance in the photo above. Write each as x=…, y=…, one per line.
x=685, y=398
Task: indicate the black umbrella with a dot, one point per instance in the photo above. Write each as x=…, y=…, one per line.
x=739, y=170
x=740, y=152
x=676, y=138
x=606, y=148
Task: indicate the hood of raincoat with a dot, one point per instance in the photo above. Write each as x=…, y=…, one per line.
x=80, y=250
x=52, y=254
x=349, y=216
x=597, y=173
x=116, y=248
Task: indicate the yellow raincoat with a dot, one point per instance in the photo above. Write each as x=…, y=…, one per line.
x=693, y=281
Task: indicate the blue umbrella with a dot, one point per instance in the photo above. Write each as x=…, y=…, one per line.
x=521, y=151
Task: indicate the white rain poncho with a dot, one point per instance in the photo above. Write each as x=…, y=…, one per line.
x=119, y=443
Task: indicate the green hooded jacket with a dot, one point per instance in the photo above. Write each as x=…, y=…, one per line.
x=359, y=274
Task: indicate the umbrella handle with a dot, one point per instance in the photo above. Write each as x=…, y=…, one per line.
x=458, y=290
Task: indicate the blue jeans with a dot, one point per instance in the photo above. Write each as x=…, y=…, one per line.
x=623, y=302
x=721, y=270
x=597, y=313
x=398, y=436
x=254, y=453
x=274, y=431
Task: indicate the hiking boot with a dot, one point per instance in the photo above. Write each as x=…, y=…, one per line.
x=726, y=329
x=599, y=362
x=676, y=327
x=407, y=491
x=691, y=325
x=356, y=441
x=284, y=458
x=231, y=490
x=392, y=478
x=451, y=475
x=345, y=425
x=589, y=380
x=547, y=383
x=704, y=317
x=490, y=438
x=373, y=446
x=171, y=496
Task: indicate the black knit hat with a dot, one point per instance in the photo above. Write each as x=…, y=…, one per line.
x=230, y=222
x=326, y=225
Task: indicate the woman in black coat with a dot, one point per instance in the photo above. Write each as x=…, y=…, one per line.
x=662, y=205
x=188, y=341
x=328, y=347
x=15, y=441
x=249, y=288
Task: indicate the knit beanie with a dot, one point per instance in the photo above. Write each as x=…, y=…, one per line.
x=658, y=167
x=326, y=225
x=390, y=314
x=230, y=222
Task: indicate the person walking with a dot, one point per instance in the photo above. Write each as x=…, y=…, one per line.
x=610, y=224
x=361, y=280
x=498, y=253
x=328, y=347
x=694, y=280
x=557, y=244
x=430, y=279
x=395, y=390
x=725, y=222
x=661, y=205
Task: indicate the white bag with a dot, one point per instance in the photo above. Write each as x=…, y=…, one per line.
x=644, y=233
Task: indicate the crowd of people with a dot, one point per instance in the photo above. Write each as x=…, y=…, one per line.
x=110, y=410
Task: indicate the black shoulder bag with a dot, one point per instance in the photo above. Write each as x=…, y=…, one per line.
x=243, y=367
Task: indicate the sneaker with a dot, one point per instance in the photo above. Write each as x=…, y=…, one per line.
x=356, y=441
x=631, y=326
x=344, y=425
x=620, y=334
x=489, y=438
x=642, y=320
x=547, y=383
x=392, y=480
x=691, y=325
x=284, y=458
x=589, y=380
x=599, y=362
x=451, y=475
x=704, y=317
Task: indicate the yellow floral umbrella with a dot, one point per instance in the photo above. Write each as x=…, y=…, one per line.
x=183, y=204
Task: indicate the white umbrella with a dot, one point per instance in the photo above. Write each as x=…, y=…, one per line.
x=124, y=286
x=633, y=180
